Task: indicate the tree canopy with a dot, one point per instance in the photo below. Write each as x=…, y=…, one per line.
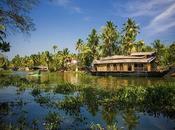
x=14, y=15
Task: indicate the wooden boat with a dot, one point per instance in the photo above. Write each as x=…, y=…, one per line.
x=140, y=64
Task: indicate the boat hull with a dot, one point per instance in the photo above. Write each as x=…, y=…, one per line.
x=132, y=74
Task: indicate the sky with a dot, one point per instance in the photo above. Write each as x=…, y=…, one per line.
x=62, y=22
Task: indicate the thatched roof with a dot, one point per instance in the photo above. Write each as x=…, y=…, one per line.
x=137, y=57
x=142, y=53
x=120, y=57
x=141, y=60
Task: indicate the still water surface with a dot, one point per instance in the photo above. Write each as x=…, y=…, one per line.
x=29, y=102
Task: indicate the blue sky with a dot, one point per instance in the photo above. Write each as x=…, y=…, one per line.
x=62, y=22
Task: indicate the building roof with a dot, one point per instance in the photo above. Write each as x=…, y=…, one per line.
x=142, y=53
x=129, y=60
x=137, y=57
x=120, y=57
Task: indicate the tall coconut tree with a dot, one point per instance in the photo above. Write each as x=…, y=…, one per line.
x=131, y=119
x=48, y=58
x=160, y=50
x=54, y=48
x=109, y=37
x=79, y=43
x=35, y=59
x=139, y=45
x=85, y=55
x=172, y=53
x=129, y=34
x=93, y=42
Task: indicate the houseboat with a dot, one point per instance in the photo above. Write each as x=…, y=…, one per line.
x=136, y=64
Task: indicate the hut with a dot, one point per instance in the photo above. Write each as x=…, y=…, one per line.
x=136, y=62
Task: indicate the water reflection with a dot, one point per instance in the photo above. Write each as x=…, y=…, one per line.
x=106, y=82
x=117, y=104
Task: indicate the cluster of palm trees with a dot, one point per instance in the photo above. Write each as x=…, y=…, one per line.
x=54, y=61
x=110, y=41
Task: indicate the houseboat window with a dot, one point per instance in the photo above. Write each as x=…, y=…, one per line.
x=108, y=67
x=138, y=67
x=115, y=66
x=129, y=67
x=121, y=66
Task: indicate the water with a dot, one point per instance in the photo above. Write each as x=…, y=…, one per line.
x=51, y=101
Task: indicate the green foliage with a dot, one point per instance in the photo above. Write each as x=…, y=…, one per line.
x=4, y=46
x=130, y=31
x=84, y=53
x=126, y=101
x=52, y=121
x=42, y=100
x=171, y=51
x=36, y=91
x=109, y=42
x=71, y=104
x=99, y=127
x=57, y=61
x=65, y=88
x=139, y=46
x=14, y=16
x=161, y=53
x=109, y=37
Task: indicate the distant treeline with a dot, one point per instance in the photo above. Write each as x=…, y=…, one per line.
x=106, y=43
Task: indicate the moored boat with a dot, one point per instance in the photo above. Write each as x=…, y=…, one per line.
x=140, y=64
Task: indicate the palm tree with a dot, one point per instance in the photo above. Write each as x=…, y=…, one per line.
x=131, y=119
x=109, y=37
x=93, y=41
x=129, y=34
x=160, y=51
x=64, y=56
x=172, y=53
x=79, y=44
x=48, y=58
x=54, y=48
x=4, y=46
x=35, y=59
x=157, y=45
x=139, y=46
x=85, y=55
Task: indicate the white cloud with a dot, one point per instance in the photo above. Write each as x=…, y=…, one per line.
x=163, y=21
x=62, y=2
x=68, y=4
x=77, y=9
x=87, y=18
x=160, y=14
x=138, y=8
